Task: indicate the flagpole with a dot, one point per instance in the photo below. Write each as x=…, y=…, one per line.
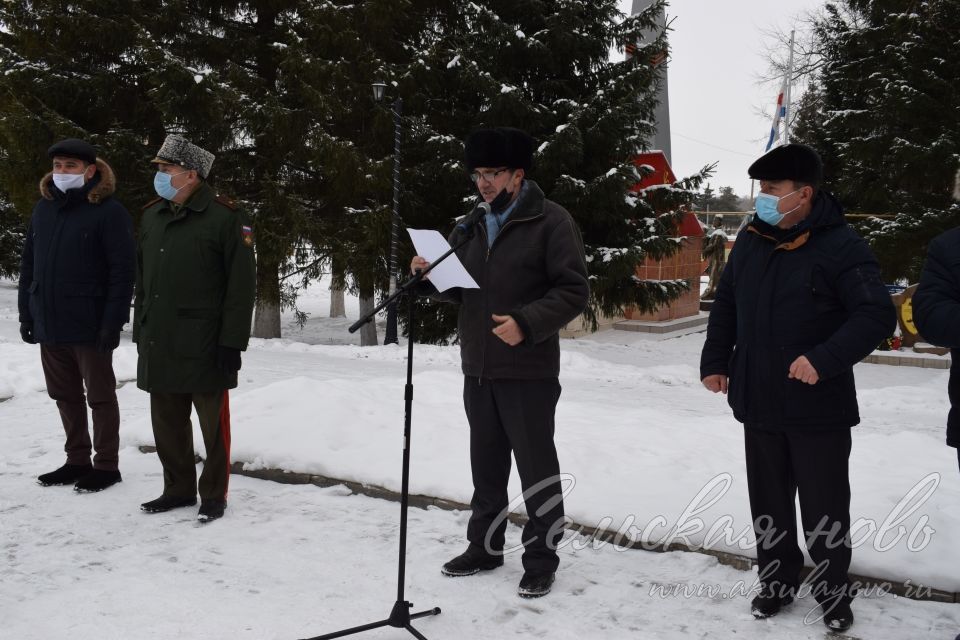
x=788, y=81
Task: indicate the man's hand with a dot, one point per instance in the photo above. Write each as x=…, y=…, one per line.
x=108, y=340
x=802, y=370
x=26, y=333
x=228, y=359
x=716, y=383
x=507, y=330
x=419, y=264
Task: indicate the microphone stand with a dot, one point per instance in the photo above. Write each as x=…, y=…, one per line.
x=400, y=616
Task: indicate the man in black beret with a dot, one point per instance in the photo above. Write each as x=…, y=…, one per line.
x=527, y=256
x=799, y=303
x=76, y=281
x=936, y=311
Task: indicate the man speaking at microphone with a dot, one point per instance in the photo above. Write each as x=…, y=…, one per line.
x=527, y=256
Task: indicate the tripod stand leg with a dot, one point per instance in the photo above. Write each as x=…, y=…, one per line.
x=423, y=614
x=352, y=630
x=416, y=634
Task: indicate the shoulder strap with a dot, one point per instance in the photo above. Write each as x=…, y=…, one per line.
x=151, y=203
x=227, y=202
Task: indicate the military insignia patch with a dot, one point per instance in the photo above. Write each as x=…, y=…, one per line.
x=247, y=235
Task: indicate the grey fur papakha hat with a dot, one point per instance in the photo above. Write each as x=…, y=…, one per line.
x=178, y=150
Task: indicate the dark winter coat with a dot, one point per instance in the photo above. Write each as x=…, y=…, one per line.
x=813, y=291
x=536, y=272
x=77, y=268
x=196, y=280
x=936, y=312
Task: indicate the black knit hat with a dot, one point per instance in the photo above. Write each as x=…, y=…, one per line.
x=73, y=148
x=499, y=147
x=796, y=162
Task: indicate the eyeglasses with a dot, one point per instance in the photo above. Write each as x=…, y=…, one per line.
x=489, y=176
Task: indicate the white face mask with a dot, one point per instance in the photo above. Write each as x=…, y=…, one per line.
x=67, y=181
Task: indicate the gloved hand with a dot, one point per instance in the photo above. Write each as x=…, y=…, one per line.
x=228, y=359
x=107, y=340
x=26, y=333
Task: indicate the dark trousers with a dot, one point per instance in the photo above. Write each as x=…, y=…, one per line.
x=173, y=433
x=68, y=369
x=515, y=415
x=814, y=464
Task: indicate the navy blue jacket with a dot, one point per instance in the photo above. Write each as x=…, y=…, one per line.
x=815, y=291
x=77, y=268
x=936, y=311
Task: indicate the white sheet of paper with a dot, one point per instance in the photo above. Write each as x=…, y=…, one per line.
x=449, y=273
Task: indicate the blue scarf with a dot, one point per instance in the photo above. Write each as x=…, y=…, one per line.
x=495, y=221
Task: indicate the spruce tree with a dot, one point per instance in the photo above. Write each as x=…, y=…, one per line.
x=11, y=239
x=883, y=111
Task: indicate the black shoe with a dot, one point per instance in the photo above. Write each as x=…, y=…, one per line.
x=839, y=617
x=67, y=474
x=535, y=585
x=97, y=480
x=165, y=503
x=474, y=560
x=769, y=602
x=211, y=509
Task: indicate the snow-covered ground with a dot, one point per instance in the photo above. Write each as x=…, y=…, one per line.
x=646, y=449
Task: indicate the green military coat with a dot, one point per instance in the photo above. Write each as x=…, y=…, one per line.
x=196, y=281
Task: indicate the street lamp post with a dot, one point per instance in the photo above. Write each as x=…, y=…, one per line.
x=390, y=336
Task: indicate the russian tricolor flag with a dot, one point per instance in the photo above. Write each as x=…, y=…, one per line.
x=778, y=115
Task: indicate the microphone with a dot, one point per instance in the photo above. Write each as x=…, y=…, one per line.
x=467, y=223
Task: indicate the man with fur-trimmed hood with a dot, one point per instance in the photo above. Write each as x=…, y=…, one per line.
x=76, y=283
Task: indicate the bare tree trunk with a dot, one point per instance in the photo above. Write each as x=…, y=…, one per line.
x=368, y=332
x=337, y=306
x=266, y=322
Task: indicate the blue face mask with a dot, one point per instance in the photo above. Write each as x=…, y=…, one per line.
x=767, y=209
x=162, y=184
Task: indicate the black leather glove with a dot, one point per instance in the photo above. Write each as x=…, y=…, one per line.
x=26, y=333
x=228, y=359
x=107, y=340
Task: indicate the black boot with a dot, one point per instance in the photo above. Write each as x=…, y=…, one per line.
x=166, y=503
x=769, y=602
x=838, y=617
x=535, y=585
x=97, y=480
x=67, y=474
x=474, y=560
x=211, y=509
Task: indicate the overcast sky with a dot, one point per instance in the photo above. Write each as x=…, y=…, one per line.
x=718, y=53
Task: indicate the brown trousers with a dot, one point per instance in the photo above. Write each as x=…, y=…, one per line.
x=173, y=434
x=67, y=370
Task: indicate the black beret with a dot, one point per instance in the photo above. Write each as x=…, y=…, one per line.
x=499, y=147
x=73, y=148
x=796, y=162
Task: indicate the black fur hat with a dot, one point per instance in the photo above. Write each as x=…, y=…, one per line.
x=499, y=147
x=796, y=162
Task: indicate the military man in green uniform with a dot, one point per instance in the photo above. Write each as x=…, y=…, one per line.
x=193, y=305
